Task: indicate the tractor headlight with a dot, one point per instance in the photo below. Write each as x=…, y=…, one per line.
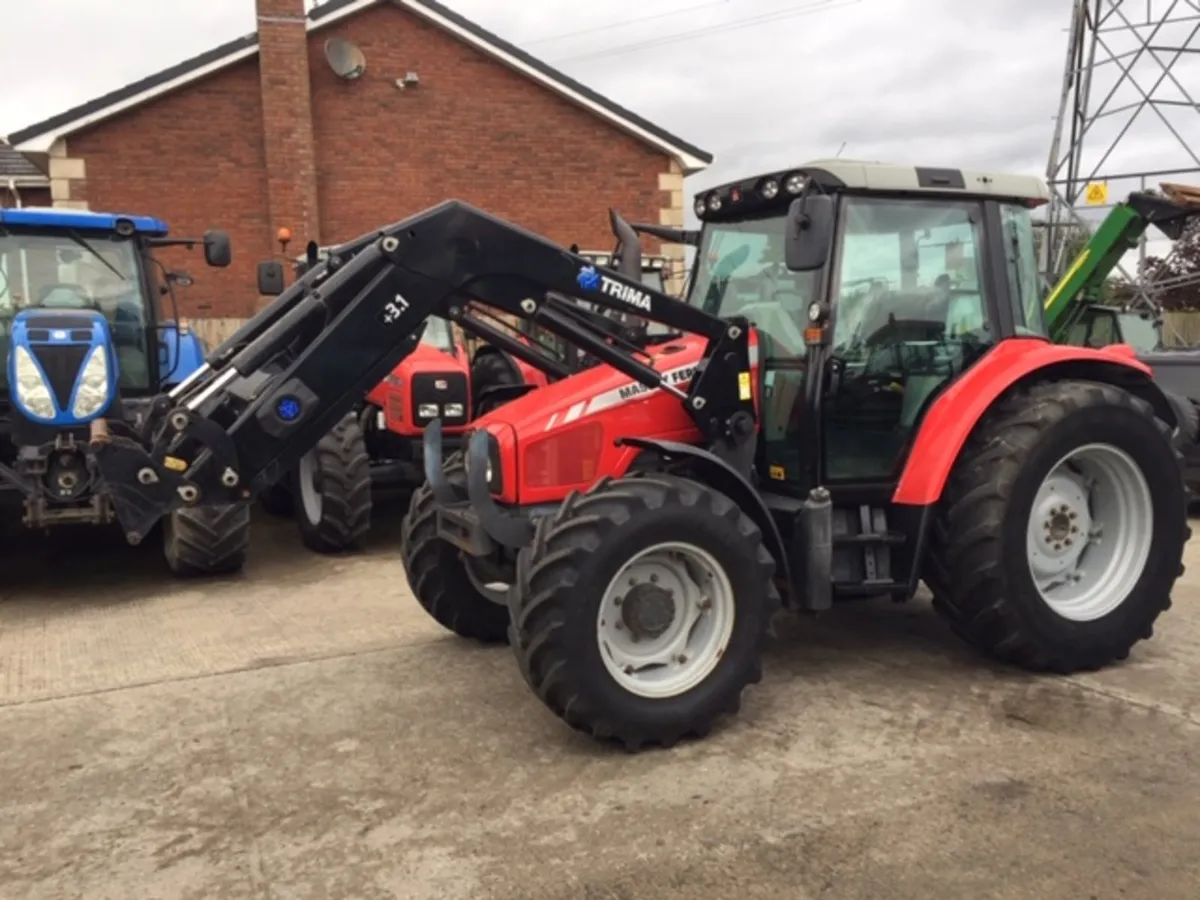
x=32, y=391
x=427, y=411
x=453, y=410
x=91, y=391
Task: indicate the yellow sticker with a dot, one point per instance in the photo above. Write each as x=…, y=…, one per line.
x=175, y=464
x=1096, y=193
x=778, y=473
x=744, y=385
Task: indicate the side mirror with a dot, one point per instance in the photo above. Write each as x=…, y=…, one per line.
x=629, y=248
x=809, y=232
x=270, y=278
x=217, y=252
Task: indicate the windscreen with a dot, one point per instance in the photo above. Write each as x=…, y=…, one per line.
x=438, y=334
x=62, y=271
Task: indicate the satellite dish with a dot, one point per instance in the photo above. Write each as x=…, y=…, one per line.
x=346, y=59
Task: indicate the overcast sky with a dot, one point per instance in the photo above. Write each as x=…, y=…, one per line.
x=760, y=83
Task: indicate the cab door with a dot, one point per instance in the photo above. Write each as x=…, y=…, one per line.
x=910, y=306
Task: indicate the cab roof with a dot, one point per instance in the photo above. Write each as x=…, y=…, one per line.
x=81, y=220
x=778, y=188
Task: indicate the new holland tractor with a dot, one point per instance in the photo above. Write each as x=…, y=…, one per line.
x=851, y=442
x=86, y=352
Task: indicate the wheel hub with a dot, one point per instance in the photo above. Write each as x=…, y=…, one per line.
x=648, y=611
x=1062, y=511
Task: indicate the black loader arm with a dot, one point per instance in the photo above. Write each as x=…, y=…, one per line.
x=274, y=389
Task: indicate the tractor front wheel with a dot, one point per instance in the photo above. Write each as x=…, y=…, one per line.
x=207, y=540
x=641, y=609
x=1061, y=530
x=331, y=490
x=454, y=588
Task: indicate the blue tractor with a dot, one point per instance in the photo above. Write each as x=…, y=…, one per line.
x=85, y=354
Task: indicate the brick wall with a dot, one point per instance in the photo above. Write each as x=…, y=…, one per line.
x=472, y=129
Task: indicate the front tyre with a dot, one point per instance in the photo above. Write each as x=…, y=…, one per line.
x=1061, y=530
x=641, y=609
x=207, y=540
x=331, y=490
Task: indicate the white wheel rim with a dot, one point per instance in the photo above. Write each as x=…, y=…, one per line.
x=665, y=620
x=310, y=497
x=1090, y=532
x=495, y=591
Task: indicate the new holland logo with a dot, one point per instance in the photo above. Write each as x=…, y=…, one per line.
x=625, y=293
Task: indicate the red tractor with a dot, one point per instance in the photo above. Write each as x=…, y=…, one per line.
x=861, y=396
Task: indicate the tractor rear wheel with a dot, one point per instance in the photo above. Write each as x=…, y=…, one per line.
x=641, y=609
x=1061, y=529
x=331, y=487
x=207, y=540
x=451, y=586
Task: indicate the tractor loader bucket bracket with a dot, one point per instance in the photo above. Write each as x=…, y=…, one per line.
x=505, y=528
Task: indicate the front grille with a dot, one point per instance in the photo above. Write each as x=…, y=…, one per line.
x=61, y=365
x=43, y=335
x=433, y=390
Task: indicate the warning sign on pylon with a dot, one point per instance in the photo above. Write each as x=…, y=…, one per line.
x=1096, y=193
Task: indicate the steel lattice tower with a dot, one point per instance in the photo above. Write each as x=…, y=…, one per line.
x=1126, y=116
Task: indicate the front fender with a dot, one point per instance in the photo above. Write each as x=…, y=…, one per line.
x=718, y=474
x=1018, y=361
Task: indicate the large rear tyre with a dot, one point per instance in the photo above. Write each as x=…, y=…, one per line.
x=207, y=540
x=331, y=487
x=1061, y=530
x=641, y=609
x=454, y=588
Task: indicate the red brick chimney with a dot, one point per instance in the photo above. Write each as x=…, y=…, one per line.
x=287, y=122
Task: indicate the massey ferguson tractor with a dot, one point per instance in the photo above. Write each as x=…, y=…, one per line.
x=85, y=354
x=833, y=420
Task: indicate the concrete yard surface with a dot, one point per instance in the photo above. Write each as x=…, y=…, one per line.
x=304, y=731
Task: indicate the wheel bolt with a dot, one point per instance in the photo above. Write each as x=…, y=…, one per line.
x=654, y=579
x=629, y=670
x=1049, y=540
x=1067, y=542
x=1072, y=515
x=618, y=626
x=617, y=601
x=681, y=659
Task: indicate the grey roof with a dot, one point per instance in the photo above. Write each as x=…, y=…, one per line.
x=14, y=165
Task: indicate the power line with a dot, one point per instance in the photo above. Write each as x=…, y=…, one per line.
x=624, y=24
x=753, y=21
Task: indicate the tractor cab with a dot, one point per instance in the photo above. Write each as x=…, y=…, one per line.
x=903, y=288
x=1100, y=326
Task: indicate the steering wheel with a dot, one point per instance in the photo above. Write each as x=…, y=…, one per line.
x=46, y=290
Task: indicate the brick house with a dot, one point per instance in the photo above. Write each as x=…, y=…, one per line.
x=21, y=182
x=260, y=134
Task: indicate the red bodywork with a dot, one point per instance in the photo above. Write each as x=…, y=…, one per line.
x=953, y=415
x=562, y=437
x=393, y=395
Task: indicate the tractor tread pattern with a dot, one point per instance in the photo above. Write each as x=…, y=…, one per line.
x=207, y=540
x=963, y=568
x=546, y=577
x=344, y=468
x=434, y=578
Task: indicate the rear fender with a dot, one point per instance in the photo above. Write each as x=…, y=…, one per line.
x=718, y=474
x=1014, y=363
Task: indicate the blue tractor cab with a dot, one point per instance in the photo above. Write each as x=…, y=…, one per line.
x=84, y=350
